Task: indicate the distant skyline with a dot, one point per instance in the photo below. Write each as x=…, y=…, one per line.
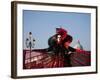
x=43, y=25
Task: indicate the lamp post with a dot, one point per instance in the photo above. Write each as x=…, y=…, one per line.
x=30, y=44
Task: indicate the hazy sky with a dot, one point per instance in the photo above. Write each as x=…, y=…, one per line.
x=42, y=24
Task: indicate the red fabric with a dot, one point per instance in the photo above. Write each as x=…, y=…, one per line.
x=79, y=51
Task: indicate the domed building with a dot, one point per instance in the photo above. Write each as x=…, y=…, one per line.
x=78, y=45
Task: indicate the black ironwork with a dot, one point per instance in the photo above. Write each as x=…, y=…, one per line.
x=30, y=44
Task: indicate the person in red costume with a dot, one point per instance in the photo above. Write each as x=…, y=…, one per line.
x=55, y=41
x=59, y=44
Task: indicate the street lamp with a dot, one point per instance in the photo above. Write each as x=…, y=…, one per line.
x=30, y=44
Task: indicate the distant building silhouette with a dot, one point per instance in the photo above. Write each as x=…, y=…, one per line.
x=78, y=45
